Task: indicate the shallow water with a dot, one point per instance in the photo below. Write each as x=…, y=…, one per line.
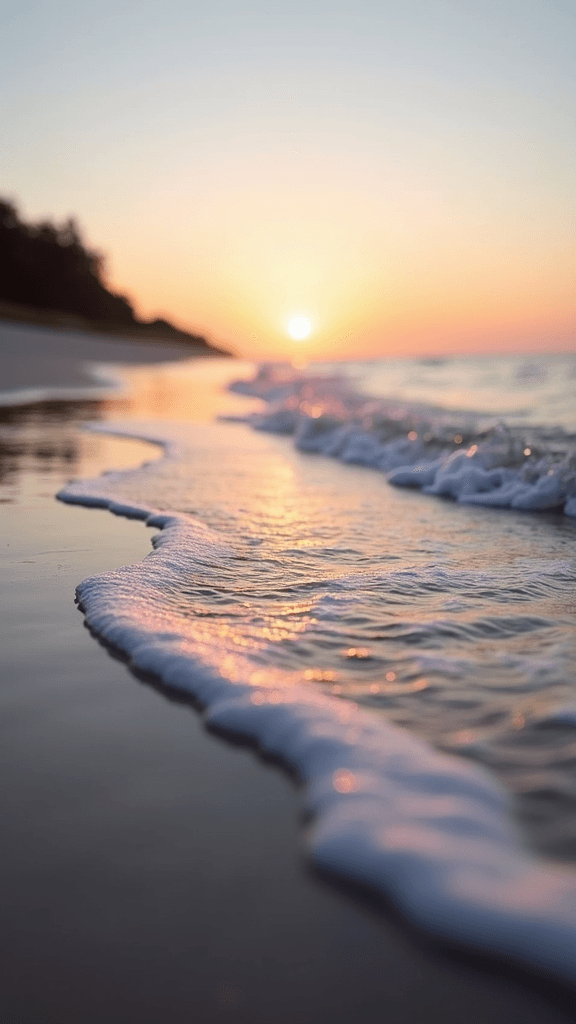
x=454, y=621
x=135, y=885
x=284, y=579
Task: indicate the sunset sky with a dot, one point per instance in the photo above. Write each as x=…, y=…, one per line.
x=400, y=173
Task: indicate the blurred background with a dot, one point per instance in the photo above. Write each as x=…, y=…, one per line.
x=401, y=176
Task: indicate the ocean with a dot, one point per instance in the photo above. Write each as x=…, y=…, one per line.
x=368, y=570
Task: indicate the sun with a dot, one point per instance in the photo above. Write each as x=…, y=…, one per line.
x=299, y=327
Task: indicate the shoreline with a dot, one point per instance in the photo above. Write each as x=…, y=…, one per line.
x=330, y=958
x=158, y=332
x=48, y=359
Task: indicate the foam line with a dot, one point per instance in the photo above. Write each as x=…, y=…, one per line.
x=463, y=456
x=429, y=831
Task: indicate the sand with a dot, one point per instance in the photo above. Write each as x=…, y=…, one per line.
x=153, y=872
x=34, y=357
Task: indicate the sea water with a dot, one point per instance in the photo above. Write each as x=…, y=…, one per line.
x=370, y=572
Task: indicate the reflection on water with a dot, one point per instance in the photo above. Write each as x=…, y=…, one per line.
x=455, y=622
x=46, y=442
x=47, y=438
x=41, y=439
x=192, y=390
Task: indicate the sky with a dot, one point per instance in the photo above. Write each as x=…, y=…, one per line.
x=400, y=174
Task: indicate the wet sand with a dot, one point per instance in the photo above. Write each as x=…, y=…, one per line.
x=153, y=872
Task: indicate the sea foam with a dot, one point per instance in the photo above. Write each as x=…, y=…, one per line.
x=429, y=831
x=470, y=458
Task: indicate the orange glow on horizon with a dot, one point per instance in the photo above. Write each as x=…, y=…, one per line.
x=411, y=195
x=462, y=302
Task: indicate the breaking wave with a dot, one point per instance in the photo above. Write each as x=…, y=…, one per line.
x=473, y=459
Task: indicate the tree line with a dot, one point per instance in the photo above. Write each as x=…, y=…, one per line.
x=48, y=267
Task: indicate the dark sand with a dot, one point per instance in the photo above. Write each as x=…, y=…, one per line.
x=152, y=872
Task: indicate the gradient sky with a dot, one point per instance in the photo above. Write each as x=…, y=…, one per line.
x=401, y=172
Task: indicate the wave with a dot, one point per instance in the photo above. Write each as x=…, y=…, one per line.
x=471, y=458
x=430, y=831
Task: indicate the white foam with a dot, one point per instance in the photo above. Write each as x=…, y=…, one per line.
x=455, y=455
x=429, y=831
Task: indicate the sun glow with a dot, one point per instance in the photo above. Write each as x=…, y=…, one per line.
x=299, y=327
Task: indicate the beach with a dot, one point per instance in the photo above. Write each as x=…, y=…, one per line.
x=155, y=871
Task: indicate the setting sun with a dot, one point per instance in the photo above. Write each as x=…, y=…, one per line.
x=299, y=327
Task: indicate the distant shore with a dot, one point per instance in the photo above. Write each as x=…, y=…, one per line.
x=159, y=331
x=41, y=363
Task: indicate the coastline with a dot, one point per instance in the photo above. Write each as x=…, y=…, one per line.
x=121, y=870
x=45, y=359
x=160, y=332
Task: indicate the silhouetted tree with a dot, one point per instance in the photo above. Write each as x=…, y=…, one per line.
x=49, y=267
